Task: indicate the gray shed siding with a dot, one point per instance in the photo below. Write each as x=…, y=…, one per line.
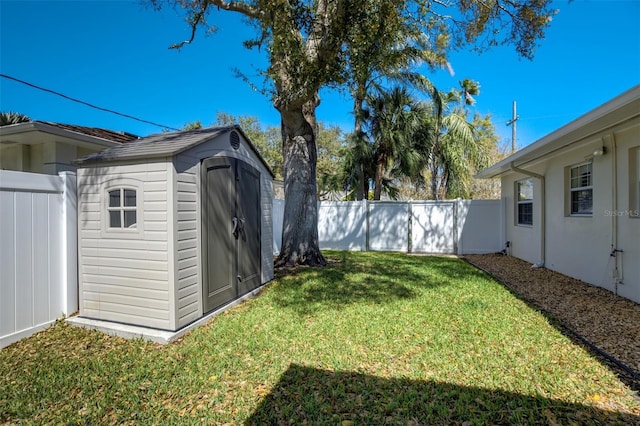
x=188, y=271
x=266, y=195
x=125, y=277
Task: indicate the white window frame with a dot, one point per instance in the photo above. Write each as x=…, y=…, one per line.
x=524, y=201
x=634, y=182
x=133, y=232
x=575, y=189
x=122, y=209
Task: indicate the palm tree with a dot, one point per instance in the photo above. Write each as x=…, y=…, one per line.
x=453, y=142
x=393, y=120
x=384, y=47
x=10, y=117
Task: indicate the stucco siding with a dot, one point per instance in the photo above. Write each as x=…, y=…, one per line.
x=627, y=210
x=524, y=239
x=581, y=246
x=124, y=275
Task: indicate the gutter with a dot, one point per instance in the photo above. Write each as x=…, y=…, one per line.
x=543, y=227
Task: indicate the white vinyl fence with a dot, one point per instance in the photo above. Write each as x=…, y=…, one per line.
x=38, y=252
x=443, y=227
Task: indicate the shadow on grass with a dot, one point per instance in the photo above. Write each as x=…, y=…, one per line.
x=306, y=395
x=376, y=278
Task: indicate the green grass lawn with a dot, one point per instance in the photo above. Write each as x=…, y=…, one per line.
x=375, y=338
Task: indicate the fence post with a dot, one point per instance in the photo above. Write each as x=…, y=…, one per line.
x=69, y=243
x=409, y=227
x=456, y=232
x=365, y=205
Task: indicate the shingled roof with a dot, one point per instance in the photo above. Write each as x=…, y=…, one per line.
x=122, y=137
x=164, y=145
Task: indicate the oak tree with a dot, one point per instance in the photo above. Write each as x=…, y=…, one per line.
x=308, y=43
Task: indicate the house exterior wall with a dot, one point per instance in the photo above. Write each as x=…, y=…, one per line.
x=626, y=212
x=125, y=276
x=48, y=158
x=16, y=158
x=524, y=240
x=580, y=246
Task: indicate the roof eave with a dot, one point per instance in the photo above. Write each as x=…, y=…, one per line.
x=30, y=126
x=629, y=100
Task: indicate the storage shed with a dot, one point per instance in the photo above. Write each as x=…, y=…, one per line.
x=172, y=227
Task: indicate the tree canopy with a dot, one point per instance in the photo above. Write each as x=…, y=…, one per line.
x=309, y=44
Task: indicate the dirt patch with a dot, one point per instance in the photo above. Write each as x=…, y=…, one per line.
x=610, y=322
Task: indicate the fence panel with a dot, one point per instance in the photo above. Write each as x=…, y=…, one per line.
x=38, y=245
x=341, y=225
x=433, y=227
x=444, y=227
x=388, y=226
x=480, y=226
x=277, y=217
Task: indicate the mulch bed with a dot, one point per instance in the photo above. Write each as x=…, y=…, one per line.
x=607, y=321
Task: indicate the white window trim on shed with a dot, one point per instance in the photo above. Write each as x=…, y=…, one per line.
x=106, y=230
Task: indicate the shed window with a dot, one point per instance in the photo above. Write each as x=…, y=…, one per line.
x=122, y=208
x=581, y=189
x=525, y=202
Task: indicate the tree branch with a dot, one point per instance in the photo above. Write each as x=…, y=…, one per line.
x=197, y=19
x=235, y=6
x=200, y=12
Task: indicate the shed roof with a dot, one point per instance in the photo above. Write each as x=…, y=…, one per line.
x=165, y=145
x=616, y=111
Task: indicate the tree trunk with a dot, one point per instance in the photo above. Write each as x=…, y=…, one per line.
x=362, y=190
x=380, y=164
x=300, y=245
x=434, y=179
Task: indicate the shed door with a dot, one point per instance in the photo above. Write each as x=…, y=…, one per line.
x=249, y=247
x=231, y=231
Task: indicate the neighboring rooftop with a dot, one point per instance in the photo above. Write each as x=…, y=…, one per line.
x=19, y=133
x=122, y=137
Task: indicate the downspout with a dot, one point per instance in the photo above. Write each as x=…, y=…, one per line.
x=540, y=177
x=617, y=273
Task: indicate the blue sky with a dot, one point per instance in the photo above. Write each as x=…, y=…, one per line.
x=115, y=55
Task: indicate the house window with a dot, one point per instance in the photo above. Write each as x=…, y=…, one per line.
x=634, y=181
x=581, y=189
x=637, y=212
x=524, y=189
x=122, y=208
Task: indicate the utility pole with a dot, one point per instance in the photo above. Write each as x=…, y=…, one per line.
x=512, y=123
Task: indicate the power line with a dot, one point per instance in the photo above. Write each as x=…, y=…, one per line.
x=86, y=103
